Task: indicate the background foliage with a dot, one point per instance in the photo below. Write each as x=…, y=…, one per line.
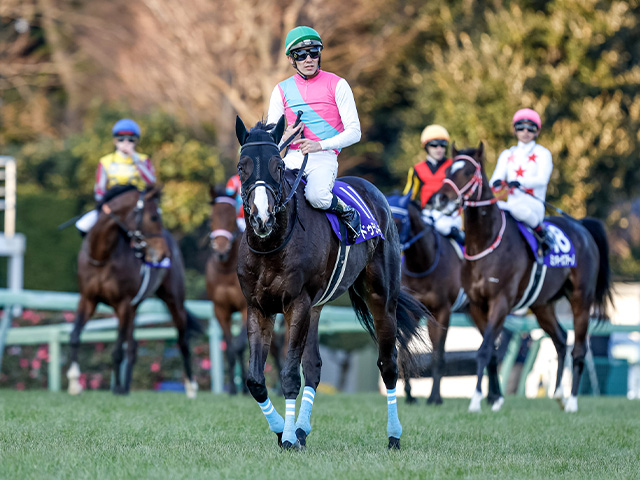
x=70, y=68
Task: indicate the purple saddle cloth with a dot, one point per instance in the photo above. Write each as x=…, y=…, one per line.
x=369, y=225
x=563, y=253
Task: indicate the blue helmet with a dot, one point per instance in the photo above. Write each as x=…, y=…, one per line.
x=126, y=126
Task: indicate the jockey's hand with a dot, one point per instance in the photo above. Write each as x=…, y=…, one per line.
x=497, y=184
x=292, y=131
x=514, y=184
x=307, y=146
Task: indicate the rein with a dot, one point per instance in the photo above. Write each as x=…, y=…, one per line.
x=435, y=261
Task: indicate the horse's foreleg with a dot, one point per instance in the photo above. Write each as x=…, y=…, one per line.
x=438, y=336
x=298, y=319
x=224, y=319
x=84, y=312
x=311, y=366
x=259, y=332
x=126, y=316
x=580, y=327
x=549, y=323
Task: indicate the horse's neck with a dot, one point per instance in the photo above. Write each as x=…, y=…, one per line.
x=102, y=239
x=423, y=252
x=482, y=224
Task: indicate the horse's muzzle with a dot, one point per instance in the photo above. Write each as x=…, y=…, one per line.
x=444, y=204
x=157, y=250
x=262, y=229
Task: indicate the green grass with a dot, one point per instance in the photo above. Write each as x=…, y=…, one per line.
x=164, y=435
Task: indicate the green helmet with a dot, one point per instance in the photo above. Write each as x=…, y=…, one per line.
x=301, y=37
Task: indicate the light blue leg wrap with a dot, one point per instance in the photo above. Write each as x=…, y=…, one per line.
x=394, y=429
x=289, y=433
x=276, y=423
x=304, y=416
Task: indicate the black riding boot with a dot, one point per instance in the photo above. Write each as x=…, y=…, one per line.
x=348, y=215
x=545, y=241
x=457, y=235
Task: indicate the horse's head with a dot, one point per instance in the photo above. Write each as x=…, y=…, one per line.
x=138, y=215
x=464, y=178
x=261, y=171
x=224, y=228
x=399, y=205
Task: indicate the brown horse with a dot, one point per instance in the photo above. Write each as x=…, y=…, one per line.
x=431, y=270
x=223, y=286
x=290, y=262
x=502, y=273
x=123, y=260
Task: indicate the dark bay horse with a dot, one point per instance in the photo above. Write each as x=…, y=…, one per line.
x=497, y=275
x=118, y=266
x=223, y=286
x=287, y=260
x=431, y=271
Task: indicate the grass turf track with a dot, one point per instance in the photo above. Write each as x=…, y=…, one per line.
x=163, y=435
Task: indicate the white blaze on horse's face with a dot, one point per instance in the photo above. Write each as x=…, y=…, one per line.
x=456, y=166
x=261, y=202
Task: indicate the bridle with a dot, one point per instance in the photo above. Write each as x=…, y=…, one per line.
x=222, y=232
x=137, y=237
x=474, y=185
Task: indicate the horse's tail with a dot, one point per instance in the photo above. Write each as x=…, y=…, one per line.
x=193, y=324
x=409, y=312
x=604, y=289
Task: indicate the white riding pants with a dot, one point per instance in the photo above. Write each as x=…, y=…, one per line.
x=442, y=222
x=524, y=208
x=321, y=171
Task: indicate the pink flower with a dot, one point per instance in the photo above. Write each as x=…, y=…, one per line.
x=24, y=363
x=99, y=347
x=155, y=367
x=205, y=364
x=94, y=383
x=223, y=345
x=35, y=364
x=69, y=316
x=267, y=368
x=43, y=354
x=20, y=386
x=83, y=380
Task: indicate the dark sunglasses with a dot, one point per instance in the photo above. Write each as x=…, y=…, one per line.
x=438, y=143
x=126, y=138
x=526, y=126
x=301, y=55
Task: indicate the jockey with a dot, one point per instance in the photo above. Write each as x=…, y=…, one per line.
x=233, y=190
x=124, y=166
x=329, y=123
x=526, y=169
x=425, y=179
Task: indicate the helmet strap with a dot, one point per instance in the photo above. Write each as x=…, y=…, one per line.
x=307, y=77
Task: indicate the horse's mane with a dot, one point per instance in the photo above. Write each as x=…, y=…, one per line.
x=262, y=126
x=115, y=191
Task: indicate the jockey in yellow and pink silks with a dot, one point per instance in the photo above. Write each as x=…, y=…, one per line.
x=329, y=122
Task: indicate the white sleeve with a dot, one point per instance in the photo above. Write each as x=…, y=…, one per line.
x=545, y=167
x=500, y=173
x=276, y=106
x=349, y=116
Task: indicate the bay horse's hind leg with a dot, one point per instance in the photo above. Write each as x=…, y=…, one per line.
x=580, y=327
x=311, y=367
x=406, y=378
x=84, y=312
x=259, y=332
x=548, y=321
x=126, y=314
x=438, y=334
x=182, y=319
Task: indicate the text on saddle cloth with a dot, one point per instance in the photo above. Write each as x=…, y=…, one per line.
x=563, y=253
x=369, y=224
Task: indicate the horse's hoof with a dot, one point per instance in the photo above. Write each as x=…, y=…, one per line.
x=75, y=388
x=301, y=435
x=497, y=405
x=571, y=405
x=191, y=389
x=279, y=439
x=410, y=400
x=394, y=443
x=120, y=391
x=434, y=401
x=287, y=445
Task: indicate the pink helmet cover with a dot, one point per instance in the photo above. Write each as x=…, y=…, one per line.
x=527, y=114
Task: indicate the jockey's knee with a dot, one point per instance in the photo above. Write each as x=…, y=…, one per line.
x=320, y=199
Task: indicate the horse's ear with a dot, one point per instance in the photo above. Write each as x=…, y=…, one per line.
x=480, y=151
x=241, y=131
x=277, y=132
x=454, y=150
x=212, y=194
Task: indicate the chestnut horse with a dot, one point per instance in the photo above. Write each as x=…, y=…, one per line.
x=126, y=257
x=431, y=271
x=223, y=286
x=499, y=273
x=291, y=262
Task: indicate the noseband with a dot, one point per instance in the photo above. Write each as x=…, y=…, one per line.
x=254, y=181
